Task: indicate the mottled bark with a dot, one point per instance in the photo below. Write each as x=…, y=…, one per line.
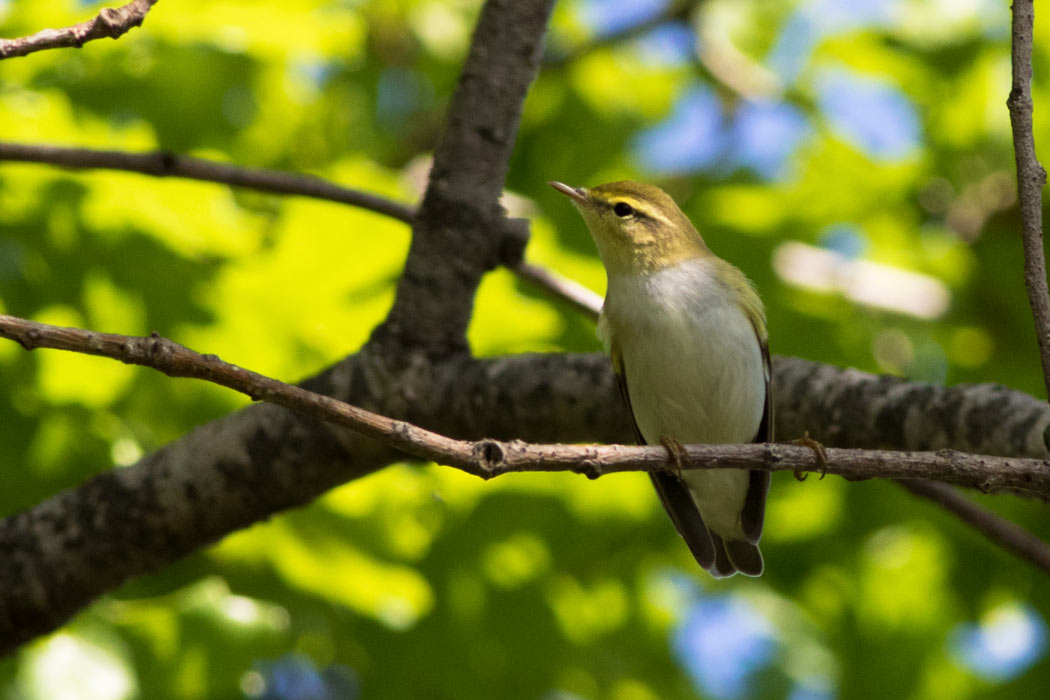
x=66, y=551
x=460, y=232
x=848, y=408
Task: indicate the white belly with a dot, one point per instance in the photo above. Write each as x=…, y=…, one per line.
x=694, y=372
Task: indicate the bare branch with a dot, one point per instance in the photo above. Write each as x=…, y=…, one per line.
x=489, y=458
x=485, y=452
x=167, y=164
x=679, y=10
x=176, y=360
x=1031, y=177
x=112, y=22
x=1008, y=535
x=61, y=553
x=581, y=298
x=80, y=543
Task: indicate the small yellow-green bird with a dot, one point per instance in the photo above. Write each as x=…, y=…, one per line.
x=687, y=336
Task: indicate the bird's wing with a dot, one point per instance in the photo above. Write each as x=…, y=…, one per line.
x=621, y=384
x=674, y=494
x=754, y=512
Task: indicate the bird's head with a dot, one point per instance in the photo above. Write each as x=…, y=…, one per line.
x=637, y=227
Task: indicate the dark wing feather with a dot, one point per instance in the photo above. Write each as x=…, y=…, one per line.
x=679, y=504
x=754, y=512
x=621, y=384
x=676, y=498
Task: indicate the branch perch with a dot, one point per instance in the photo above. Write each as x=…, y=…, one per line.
x=490, y=458
x=162, y=164
x=112, y=22
x=1031, y=177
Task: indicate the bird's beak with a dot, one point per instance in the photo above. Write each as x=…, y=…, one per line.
x=576, y=194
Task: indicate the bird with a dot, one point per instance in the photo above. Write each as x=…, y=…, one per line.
x=686, y=333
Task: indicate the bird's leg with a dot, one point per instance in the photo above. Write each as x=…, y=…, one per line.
x=676, y=451
x=818, y=450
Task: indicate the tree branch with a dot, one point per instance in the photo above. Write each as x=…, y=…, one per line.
x=453, y=241
x=1000, y=531
x=677, y=10
x=581, y=298
x=489, y=458
x=62, y=553
x=110, y=22
x=167, y=164
x=1031, y=177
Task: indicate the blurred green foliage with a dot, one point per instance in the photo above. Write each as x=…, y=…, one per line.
x=423, y=582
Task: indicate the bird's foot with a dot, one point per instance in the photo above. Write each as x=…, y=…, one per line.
x=818, y=450
x=676, y=451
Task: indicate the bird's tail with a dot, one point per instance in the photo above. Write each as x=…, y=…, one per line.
x=721, y=557
x=732, y=556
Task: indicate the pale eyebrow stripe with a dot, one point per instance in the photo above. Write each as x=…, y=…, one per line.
x=634, y=204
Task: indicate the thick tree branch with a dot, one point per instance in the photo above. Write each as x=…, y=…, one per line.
x=77, y=545
x=62, y=553
x=958, y=416
x=112, y=22
x=453, y=241
x=1031, y=177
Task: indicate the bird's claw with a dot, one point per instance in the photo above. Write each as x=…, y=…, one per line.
x=676, y=451
x=818, y=450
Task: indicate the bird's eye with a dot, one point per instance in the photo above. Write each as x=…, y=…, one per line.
x=623, y=209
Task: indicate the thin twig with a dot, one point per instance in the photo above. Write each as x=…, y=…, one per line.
x=581, y=298
x=489, y=458
x=112, y=22
x=1031, y=177
x=675, y=11
x=1008, y=535
x=165, y=164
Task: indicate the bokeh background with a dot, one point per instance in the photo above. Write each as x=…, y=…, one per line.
x=852, y=156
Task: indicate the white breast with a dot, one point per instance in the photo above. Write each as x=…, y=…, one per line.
x=694, y=371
